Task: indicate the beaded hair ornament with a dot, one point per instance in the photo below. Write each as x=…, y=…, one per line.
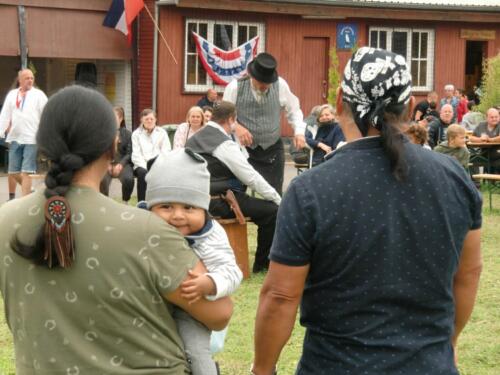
x=58, y=234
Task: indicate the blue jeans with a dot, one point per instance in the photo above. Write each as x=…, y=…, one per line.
x=22, y=158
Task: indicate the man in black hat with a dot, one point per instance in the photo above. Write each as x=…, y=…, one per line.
x=259, y=98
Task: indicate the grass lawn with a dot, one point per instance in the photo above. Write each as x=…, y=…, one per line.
x=479, y=347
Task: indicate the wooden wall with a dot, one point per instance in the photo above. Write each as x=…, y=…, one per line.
x=284, y=39
x=143, y=61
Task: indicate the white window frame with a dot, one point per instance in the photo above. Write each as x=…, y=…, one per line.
x=430, y=51
x=200, y=88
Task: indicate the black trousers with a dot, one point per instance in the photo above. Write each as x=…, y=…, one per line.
x=126, y=177
x=140, y=173
x=270, y=163
x=263, y=214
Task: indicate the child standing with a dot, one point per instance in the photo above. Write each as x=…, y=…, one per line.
x=327, y=137
x=455, y=146
x=178, y=186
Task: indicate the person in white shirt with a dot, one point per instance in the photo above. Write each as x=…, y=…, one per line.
x=19, y=121
x=230, y=170
x=148, y=141
x=259, y=98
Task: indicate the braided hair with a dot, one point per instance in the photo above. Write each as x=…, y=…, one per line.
x=76, y=128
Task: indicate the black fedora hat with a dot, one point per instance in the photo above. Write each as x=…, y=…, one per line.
x=263, y=68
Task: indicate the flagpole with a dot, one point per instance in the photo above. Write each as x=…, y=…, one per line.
x=161, y=34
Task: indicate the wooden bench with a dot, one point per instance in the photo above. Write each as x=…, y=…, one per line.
x=238, y=239
x=492, y=183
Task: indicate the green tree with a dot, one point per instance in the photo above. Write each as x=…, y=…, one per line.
x=490, y=84
x=333, y=76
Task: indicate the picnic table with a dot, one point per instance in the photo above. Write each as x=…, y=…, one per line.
x=477, y=154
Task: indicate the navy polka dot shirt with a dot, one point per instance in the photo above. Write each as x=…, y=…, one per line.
x=378, y=298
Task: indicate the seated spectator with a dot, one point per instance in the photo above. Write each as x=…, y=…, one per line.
x=417, y=134
x=230, y=170
x=451, y=99
x=312, y=118
x=302, y=156
x=455, y=145
x=207, y=113
x=121, y=167
x=195, y=120
x=437, y=127
x=327, y=136
x=424, y=107
x=209, y=99
x=148, y=141
x=462, y=105
x=489, y=131
x=472, y=118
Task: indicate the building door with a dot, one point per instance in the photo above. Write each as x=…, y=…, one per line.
x=475, y=52
x=314, y=73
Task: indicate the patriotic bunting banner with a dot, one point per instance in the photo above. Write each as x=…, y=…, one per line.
x=224, y=66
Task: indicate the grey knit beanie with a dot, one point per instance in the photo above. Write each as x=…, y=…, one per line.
x=179, y=176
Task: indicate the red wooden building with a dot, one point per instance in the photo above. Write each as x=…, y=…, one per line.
x=444, y=42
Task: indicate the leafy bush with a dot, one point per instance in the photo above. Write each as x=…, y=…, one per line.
x=490, y=85
x=333, y=76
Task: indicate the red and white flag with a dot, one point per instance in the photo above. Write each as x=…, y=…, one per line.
x=121, y=14
x=224, y=66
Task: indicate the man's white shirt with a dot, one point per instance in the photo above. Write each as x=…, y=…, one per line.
x=288, y=101
x=230, y=154
x=24, y=117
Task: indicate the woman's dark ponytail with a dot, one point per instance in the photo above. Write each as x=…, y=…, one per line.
x=76, y=128
x=387, y=119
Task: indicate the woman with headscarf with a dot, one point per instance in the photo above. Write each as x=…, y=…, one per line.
x=88, y=283
x=380, y=243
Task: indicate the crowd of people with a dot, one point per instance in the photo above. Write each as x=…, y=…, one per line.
x=447, y=129
x=137, y=290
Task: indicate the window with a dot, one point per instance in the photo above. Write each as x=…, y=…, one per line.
x=224, y=34
x=416, y=45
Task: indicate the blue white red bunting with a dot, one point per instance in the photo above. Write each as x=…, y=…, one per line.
x=224, y=66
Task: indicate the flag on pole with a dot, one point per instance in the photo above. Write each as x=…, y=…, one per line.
x=121, y=14
x=224, y=66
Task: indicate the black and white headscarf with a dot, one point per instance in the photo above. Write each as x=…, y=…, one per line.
x=374, y=78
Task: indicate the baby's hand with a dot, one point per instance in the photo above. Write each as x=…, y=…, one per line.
x=198, y=286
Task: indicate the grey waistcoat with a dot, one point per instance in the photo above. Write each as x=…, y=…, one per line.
x=261, y=119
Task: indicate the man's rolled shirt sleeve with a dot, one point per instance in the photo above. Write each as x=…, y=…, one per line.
x=294, y=238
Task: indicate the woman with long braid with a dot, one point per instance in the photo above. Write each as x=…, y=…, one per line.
x=87, y=282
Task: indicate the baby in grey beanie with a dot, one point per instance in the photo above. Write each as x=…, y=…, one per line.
x=180, y=176
x=178, y=191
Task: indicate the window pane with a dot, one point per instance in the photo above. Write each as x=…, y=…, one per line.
x=423, y=73
x=253, y=32
x=202, y=74
x=191, y=46
x=399, y=42
x=191, y=69
x=423, y=47
x=203, y=30
x=382, y=40
x=373, y=39
x=414, y=73
x=415, y=44
x=223, y=36
x=242, y=34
